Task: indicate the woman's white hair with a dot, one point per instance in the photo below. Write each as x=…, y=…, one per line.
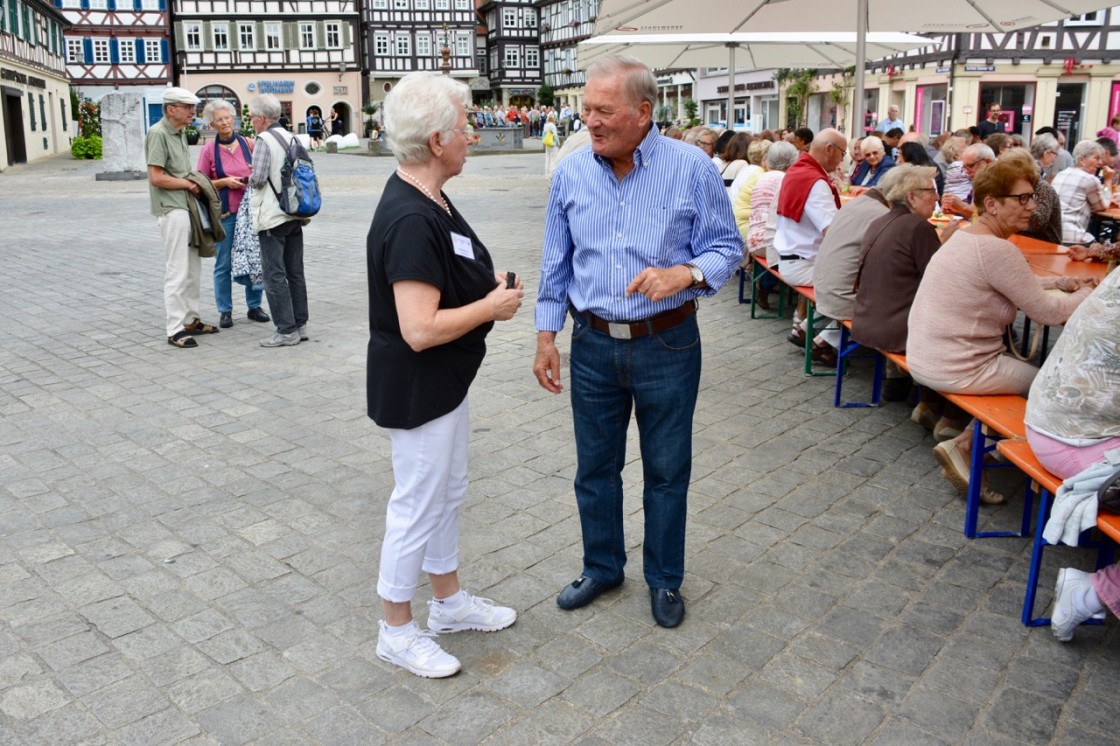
x=216, y=105
x=902, y=181
x=1086, y=148
x=781, y=155
x=871, y=143
x=419, y=105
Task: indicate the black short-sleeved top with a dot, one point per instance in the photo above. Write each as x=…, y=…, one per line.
x=411, y=238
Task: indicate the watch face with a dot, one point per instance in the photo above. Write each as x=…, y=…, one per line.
x=697, y=275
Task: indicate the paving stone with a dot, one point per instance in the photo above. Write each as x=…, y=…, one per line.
x=237, y=720
x=396, y=709
x=469, y=718
x=939, y=713
x=90, y=675
x=166, y=726
x=840, y=717
x=601, y=693
x=527, y=685
x=1023, y=716
x=203, y=690
x=117, y=616
x=638, y=726
x=71, y=723
x=343, y=726
x=30, y=700
x=125, y=702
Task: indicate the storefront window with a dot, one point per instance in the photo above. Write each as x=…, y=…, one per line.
x=931, y=110
x=1016, y=102
x=213, y=92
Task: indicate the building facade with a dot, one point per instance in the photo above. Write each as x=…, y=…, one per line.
x=114, y=45
x=757, y=105
x=304, y=52
x=513, y=51
x=403, y=36
x=563, y=25
x=35, y=115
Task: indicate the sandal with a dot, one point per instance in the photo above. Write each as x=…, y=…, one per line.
x=198, y=327
x=182, y=340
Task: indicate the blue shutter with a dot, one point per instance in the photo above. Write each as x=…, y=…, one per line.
x=163, y=51
x=87, y=50
x=112, y=4
x=85, y=4
x=114, y=51
x=140, y=52
x=31, y=109
x=163, y=5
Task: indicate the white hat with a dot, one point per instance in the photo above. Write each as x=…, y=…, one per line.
x=179, y=96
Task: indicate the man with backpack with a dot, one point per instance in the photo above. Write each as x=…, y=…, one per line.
x=280, y=232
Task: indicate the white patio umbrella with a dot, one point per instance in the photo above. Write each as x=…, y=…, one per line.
x=807, y=16
x=758, y=51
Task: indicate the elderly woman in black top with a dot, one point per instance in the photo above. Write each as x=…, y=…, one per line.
x=433, y=297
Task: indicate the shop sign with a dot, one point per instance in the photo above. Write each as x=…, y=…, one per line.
x=979, y=68
x=341, y=90
x=18, y=77
x=276, y=86
x=941, y=70
x=762, y=85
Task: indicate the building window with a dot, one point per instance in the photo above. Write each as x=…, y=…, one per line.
x=153, y=51
x=193, y=34
x=532, y=58
x=400, y=4
x=126, y=51
x=381, y=45
x=404, y=45
x=513, y=58
x=334, y=34
x=272, y=36
x=221, y=36
x=149, y=4
x=443, y=4
x=423, y=45
x=423, y=4
x=74, y=50
x=509, y=17
x=462, y=4
x=529, y=17
x=101, y=51
x=380, y=4
x=1096, y=18
x=245, y=36
x=71, y=3
x=98, y=4
x=307, y=36
x=462, y=45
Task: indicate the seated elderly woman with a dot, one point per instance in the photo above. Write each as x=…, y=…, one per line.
x=433, y=298
x=856, y=154
x=957, y=182
x=743, y=185
x=876, y=162
x=1081, y=193
x=1046, y=222
x=739, y=149
x=759, y=236
x=969, y=295
x=1073, y=419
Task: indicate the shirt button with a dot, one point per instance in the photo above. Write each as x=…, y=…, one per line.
x=618, y=235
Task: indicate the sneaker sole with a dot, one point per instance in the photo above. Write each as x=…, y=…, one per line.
x=444, y=629
x=424, y=674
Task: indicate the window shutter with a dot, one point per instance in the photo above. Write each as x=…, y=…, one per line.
x=163, y=51
x=320, y=35
x=345, y=35
x=112, y=4
x=180, y=36
x=207, y=36
x=87, y=50
x=114, y=51
x=140, y=60
x=31, y=109
x=258, y=35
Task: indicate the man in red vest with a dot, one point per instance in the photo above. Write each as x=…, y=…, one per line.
x=807, y=202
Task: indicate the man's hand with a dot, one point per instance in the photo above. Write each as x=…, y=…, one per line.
x=952, y=227
x=658, y=284
x=546, y=366
x=953, y=204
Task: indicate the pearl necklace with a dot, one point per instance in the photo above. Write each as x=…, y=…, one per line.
x=441, y=201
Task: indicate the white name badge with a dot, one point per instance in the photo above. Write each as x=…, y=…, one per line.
x=462, y=245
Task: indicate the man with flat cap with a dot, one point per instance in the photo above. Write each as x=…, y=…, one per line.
x=169, y=163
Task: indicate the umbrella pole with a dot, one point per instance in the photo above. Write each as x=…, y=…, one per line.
x=731, y=85
x=861, y=64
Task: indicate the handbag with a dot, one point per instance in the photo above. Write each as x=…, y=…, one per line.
x=245, y=254
x=549, y=139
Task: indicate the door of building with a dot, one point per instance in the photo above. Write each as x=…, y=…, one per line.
x=1068, y=108
x=13, y=127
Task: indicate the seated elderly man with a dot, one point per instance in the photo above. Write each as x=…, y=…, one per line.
x=1081, y=193
x=974, y=160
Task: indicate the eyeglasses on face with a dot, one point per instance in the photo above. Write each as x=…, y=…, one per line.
x=839, y=149
x=1024, y=199
x=705, y=143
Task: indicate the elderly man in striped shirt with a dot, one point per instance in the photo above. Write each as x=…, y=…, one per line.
x=638, y=228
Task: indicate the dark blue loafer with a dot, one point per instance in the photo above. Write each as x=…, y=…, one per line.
x=667, y=606
x=582, y=592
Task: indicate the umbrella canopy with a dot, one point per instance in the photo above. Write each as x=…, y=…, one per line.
x=806, y=16
x=753, y=51
x=803, y=16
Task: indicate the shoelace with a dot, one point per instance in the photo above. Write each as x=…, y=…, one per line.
x=424, y=643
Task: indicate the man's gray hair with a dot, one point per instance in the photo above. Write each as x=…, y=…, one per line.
x=981, y=151
x=1086, y=148
x=638, y=83
x=421, y=104
x=781, y=155
x=216, y=105
x=902, y=181
x=265, y=105
x=1043, y=144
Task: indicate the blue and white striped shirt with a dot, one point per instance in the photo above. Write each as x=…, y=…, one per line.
x=600, y=233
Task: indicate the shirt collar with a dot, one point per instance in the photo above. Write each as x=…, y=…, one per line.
x=645, y=150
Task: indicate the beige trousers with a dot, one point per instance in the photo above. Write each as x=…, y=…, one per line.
x=181, y=271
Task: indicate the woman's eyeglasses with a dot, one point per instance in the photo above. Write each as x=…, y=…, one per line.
x=1024, y=198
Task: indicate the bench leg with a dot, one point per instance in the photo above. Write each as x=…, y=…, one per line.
x=1039, y=545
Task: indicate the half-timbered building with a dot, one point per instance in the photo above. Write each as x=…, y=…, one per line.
x=403, y=36
x=305, y=52
x=513, y=50
x=34, y=90
x=564, y=24
x=114, y=45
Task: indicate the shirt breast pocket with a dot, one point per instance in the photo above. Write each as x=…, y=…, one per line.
x=668, y=226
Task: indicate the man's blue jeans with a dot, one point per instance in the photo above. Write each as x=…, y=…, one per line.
x=223, y=265
x=656, y=377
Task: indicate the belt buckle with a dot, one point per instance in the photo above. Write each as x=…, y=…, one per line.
x=618, y=331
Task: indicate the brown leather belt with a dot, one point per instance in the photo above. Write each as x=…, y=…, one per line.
x=637, y=329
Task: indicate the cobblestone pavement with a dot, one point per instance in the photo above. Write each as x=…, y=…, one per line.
x=189, y=539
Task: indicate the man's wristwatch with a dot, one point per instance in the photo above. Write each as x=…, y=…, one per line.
x=697, y=276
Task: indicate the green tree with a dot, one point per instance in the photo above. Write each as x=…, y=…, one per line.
x=246, y=129
x=546, y=96
x=839, y=96
x=799, y=86
x=690, y=110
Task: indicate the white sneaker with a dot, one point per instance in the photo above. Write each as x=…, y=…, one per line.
x=303, y=336
x=1065, y=617
x=478, y=613
x=417, y=652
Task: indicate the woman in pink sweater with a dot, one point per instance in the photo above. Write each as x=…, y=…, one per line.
x=969, y=295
